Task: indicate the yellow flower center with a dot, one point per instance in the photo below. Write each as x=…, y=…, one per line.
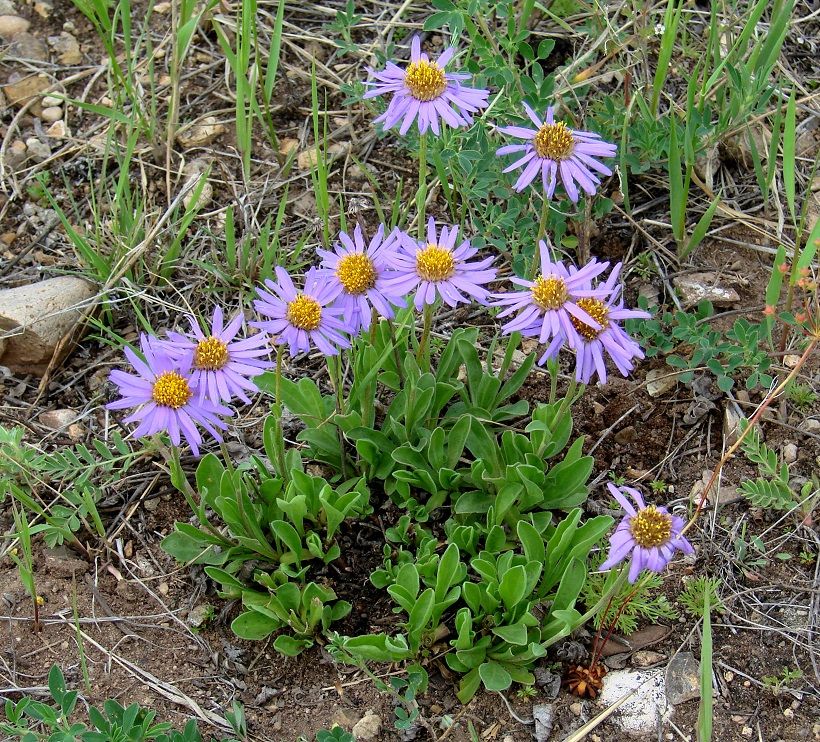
x=554, y=142
x=304, y=312
x=595, y=309
x=356, y=273
x=425, y=80
x=549, y=293
x=171, y=390
x=435, y=263
x=210, y=354
x=650, y=527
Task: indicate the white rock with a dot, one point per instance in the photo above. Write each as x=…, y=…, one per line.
x=201, y=133
x=51, y=100
x=659, y=381
x=51, y=114
x=639, y=714
x=790, y=361
x=37, y=317
x=812, y=425
x=790, y=453
x=58, y=130
x=37, y=149
x=12, y=24
x=67, y=49
x=697, y=287
x=368, y=727
x=58, y=419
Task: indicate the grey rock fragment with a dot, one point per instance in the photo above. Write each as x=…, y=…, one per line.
x=682, y=678
x=543, y=714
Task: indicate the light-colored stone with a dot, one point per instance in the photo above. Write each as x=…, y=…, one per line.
x=16, y=154
x=67, y=49
x=12, y=24
x=287, y=145
x=790, y=453
x=58, y=130
x=37, y=317
x=660, y=381
x=200, y=614
x=58, y=419
x=162, y=8
x=49, y=101
x=51, y=114
x=26, y=46
x=205, y=195
x=20, y=89
x=812, y=425
x=368, y=727
x=647, y=658
x=682, y=678
x=201, y=133
x=697, y=287
x=43, y=8
x=307, y=159
x=543, y=714
x=37, y=149
x=640, y=713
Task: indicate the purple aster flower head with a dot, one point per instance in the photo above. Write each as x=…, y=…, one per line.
x=165, y=395
x=549, y=303
x=439, y=268
x=299, y=318
x=359, y=273
x=425, y=92
x=554, y=150
x=650, y=534
x=221, y=367
x=609, y=336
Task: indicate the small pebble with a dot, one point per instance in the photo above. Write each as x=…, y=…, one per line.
x=51, y=114
x=163, y=588
x=791, y=361
x=49, y=101
x=575, y=708
x=12, y=24
x=790, y=453
x=788, y=714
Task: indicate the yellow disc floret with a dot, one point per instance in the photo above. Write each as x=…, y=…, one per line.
x=210, y=354
x=434, y=263
x=425, y=80
x=650, y=527
x=304, y=312
x=549, y=293
x=356, y=273
x=171, y=390
x=554, y=142
x=595, y=309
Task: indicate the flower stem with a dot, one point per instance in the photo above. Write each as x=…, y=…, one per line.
x=424, y=341
x=421, y=193
x=334, y=365
x=279, y=437
x=542, y=230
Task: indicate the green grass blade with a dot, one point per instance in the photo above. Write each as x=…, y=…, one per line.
x=704, y=730
x=789, y=136
x=670, y=22
x=699, y=232
x=677, y=195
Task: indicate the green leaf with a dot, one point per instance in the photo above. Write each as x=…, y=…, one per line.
x=494, y=676
x=291, y=647
x=513, y=586
x=252, y=625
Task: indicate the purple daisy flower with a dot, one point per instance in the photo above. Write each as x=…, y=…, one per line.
x=426, y=91
x=301, y=317
x=549, y=302
x=163, y=391
x=221, y=367
x=359, y=273
x=554, y=149
x=439, y=268
x=609, y=336
x=651, y=534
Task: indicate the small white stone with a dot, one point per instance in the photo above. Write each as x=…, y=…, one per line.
x=791, y=361
x=51, y=114
x=790, y=453
x=58, y=130
x=368, y=727
x=12, y=24
x=37, y=149
x=51, y=100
